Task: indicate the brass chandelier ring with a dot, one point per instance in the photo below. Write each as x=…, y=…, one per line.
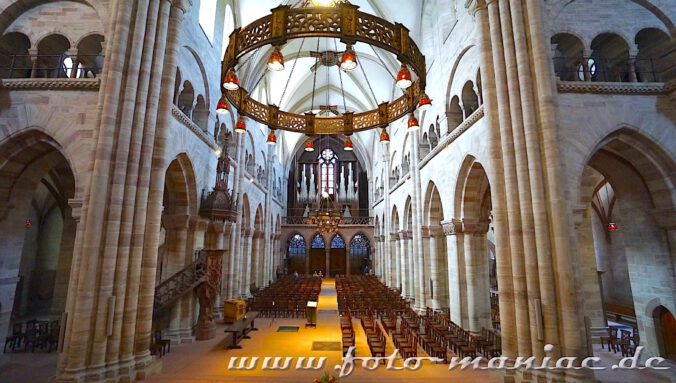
x=349, y=25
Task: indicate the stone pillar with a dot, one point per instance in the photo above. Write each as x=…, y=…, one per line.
x=176, y=245
x=33, y=52
x=328, y=260
x=590, y=287
x=438, y=267
x=245, y=262
x=412, y=276
x=417, y=250
x=457, y=283
x=395, y=271
x=403, y=250
x=477, y=272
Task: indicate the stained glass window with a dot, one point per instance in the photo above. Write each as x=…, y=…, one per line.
x=327, y=165
x=318, y=242
x=337, y=242
x=296, y=245
x=359, y=245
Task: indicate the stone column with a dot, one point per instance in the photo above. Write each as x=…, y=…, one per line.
x=429, y=268
x=489, y=82
x=438, y=265
x=476, y=269
x=403, y=250
x=411, y=263
x=457, y=283
x=245, y=262
x=417, y=251
x=176, y=245
x=590, y=287
x=328, y=260
x=33, y=52
x=395, y=271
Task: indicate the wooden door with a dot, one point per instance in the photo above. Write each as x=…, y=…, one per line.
x=296, y=264
x=317, y=261
x=668, y=327
x=338, y=262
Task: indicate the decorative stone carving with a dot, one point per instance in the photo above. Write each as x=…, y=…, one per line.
x=51, y=83
x=220, y=204
x=611, y=87
x=207, y=292
x=188, y=123
x=452, y=226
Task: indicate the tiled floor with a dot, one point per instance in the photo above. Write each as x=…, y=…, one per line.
x=208, y=361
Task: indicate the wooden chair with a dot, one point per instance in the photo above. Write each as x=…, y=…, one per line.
x=163, y=345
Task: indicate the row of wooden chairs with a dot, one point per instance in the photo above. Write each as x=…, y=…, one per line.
x=405, y=340
x=43, y=335
x=374, y=335
x=625, y=343
x=287, y=297
x=347, y=331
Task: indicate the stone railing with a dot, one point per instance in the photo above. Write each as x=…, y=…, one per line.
x=188, y=123
x=180, y=283
x=626, y=88
x=51, y=83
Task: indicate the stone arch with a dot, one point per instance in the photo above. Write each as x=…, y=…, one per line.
x=470, y=100
x=360, y=254
x=655, y=57
x=296, y=253
x=434, y=246
x=200, y=114
x=454, y=115
x=52, y=61
x=186, y=99
x=610, y=55
x=38, y=224
x=89, y=61
x=568, y=57
x=472, y=206
x=257, y=267
x=640, y=175
x=15, y=59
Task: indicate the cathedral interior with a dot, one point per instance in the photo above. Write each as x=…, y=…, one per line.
x=188, y=182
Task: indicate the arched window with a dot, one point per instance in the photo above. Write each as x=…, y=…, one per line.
x=318, y=242
x=327, y=166
x=296, y=245
x=359, y=245
x=208, y=18
x=228, y=27
x=337, y=242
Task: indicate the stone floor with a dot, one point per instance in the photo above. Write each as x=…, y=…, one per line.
x=208, y=361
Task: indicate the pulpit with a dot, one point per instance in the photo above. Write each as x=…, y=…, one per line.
x=311, y=311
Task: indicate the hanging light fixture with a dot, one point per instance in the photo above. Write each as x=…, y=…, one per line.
x=413, y=122
x=612, y=226
x=240, y=126
x=231, y=82
x=349, y=60
x=425, y=103
x=384, y=136
x=309, y=145
x=276, y=60
x=222, y=107
x=348, y=144
x=404, y=77
x=272, y=138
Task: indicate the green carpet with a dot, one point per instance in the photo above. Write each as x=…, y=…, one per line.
x=287, y=329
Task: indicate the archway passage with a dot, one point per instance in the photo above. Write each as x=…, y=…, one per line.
x=621, y=238
x=296, y=255
x=666, y=326
x=317, y=254
x=337, y=256
x=360, y=255
x=37, y=236
x=434, y=246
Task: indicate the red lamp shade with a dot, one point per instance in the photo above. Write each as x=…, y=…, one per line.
x=222, y=107
x=612, y=226
x=384, y=136
x=272, y=138
x=413, y=122
x=276, y=60
x=348, y=144
x=240, y=126
x=349, y=60
x=404, y=77
x=309, y=146
x=28, y=224
x=425, y=103
x=231, y=82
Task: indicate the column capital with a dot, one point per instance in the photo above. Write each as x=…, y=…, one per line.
x=76, y=208
x=175, y=221
x=425, y=230
x=183, y=5
x=452, y=226
x=247, y=232
x=405, y=235
x=394, y=236
x=258, y=234
x=217, y=226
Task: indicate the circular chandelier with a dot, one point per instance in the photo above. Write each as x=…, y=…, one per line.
x=326, y=217
x=336, y=19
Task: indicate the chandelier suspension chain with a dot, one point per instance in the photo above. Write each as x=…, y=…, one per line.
x=314, y=81
x=340, y=75
x=253, y=56
x=385, y=66
x=375, y=99
x=293, y=67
